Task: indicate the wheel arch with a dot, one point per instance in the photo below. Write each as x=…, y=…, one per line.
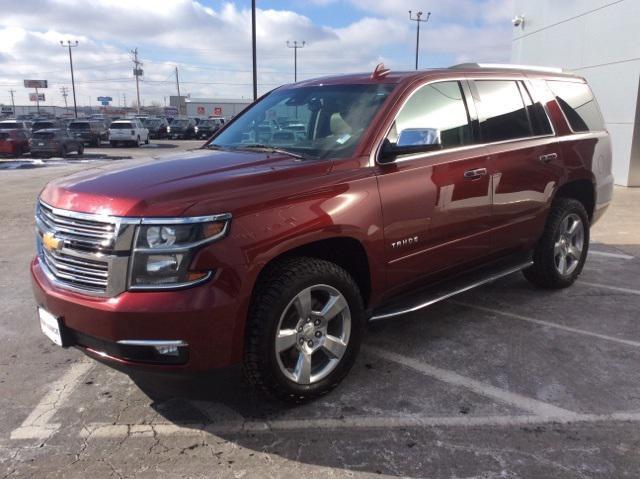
x=582, y=190
x=345, y=251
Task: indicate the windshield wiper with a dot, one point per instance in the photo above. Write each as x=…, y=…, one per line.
x=269, y=149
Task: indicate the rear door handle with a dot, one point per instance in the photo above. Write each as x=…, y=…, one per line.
x=548, y=158
x=475, y=174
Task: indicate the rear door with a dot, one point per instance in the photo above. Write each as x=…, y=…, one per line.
x=437, y=205
x=524, y=157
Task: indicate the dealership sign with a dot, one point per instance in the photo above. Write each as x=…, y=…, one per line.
x=36, y=96
x=105, y=98
x=36, y=84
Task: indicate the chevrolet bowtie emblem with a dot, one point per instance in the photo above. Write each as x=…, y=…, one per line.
x=50, y=242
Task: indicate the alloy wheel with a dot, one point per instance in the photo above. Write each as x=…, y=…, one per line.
x=569, y=244
x=313, y=334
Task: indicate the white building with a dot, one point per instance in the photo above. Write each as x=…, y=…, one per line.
x=206, y=107
x=599, y=40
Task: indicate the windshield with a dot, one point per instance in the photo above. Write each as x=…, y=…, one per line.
x=79, y=126
x=10, y=125
x=316, y=121
x=180, y=123
x=4, y=136
x=152, y=123
x=121, y=126
x=43, y=124
x=208, y=123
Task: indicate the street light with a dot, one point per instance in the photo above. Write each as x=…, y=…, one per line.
x=295, y=45
x=71, y=45
x=418, y=19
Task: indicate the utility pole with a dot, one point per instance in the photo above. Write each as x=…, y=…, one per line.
x=418, y=19
x=13, y=103
x=295, y=45
x=137, y=72
x=64, y=91
x=178, y=86
x=71, y=45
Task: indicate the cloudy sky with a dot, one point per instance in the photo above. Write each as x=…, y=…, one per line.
x=209, y=41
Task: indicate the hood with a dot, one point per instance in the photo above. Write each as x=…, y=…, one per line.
x=223, y=180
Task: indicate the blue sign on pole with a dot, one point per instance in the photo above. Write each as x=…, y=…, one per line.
x=105, y=103
x=105, y=98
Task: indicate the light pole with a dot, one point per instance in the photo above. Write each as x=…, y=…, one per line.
x=418, y=19
x=71, y=45
x=253, y=49
x=295, y=45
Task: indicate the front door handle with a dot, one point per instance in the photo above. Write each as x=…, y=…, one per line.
x=475, y=174
x=548, y=158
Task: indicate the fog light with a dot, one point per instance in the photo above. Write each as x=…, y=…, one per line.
x=167, y=350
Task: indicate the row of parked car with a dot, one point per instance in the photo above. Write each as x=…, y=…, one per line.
x=49, y=137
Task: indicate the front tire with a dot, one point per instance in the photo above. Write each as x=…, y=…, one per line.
x=304, y=329
x=562, y=251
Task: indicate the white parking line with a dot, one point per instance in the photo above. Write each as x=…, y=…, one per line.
x=111, y=431
x=612, y=288
x=37, y=425
x=549, y=324
x=525, y=403
x=611, y=255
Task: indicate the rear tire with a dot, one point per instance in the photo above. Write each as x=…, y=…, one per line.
x=562, y=251
x=294, y=352
x=80, y=150
x=113, y=144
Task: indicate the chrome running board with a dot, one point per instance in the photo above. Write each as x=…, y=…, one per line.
x=445, y=290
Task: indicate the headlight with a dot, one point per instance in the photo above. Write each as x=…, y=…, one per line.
x=164, y=249
x=168, y=129
x=196, y=129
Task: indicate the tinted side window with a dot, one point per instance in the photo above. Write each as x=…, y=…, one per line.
x=578, y=104
x=439, y=108
x=502, y=113
x=537, y=114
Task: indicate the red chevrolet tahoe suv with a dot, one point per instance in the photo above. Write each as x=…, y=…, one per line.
x=324, y=205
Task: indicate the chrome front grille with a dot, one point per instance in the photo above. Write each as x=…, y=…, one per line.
x=89, y=275
x=87, y=253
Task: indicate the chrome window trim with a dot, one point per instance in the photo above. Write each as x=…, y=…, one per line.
x=374, y=156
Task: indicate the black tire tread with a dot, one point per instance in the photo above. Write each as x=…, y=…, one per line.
x=543, y=273
x=268, y=291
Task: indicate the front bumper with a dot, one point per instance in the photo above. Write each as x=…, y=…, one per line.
x=203, y=318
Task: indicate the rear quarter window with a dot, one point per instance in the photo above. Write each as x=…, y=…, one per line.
x=578, y=104
x=502, y=112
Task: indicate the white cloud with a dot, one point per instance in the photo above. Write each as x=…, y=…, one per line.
x=212, y=46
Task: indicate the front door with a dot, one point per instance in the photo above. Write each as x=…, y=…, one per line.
x=436, y=205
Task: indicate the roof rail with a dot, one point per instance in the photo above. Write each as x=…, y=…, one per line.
x=508, y=66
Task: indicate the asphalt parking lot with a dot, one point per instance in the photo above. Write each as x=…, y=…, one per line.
x=505, y=381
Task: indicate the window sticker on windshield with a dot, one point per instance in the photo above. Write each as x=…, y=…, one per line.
x=343, y=139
